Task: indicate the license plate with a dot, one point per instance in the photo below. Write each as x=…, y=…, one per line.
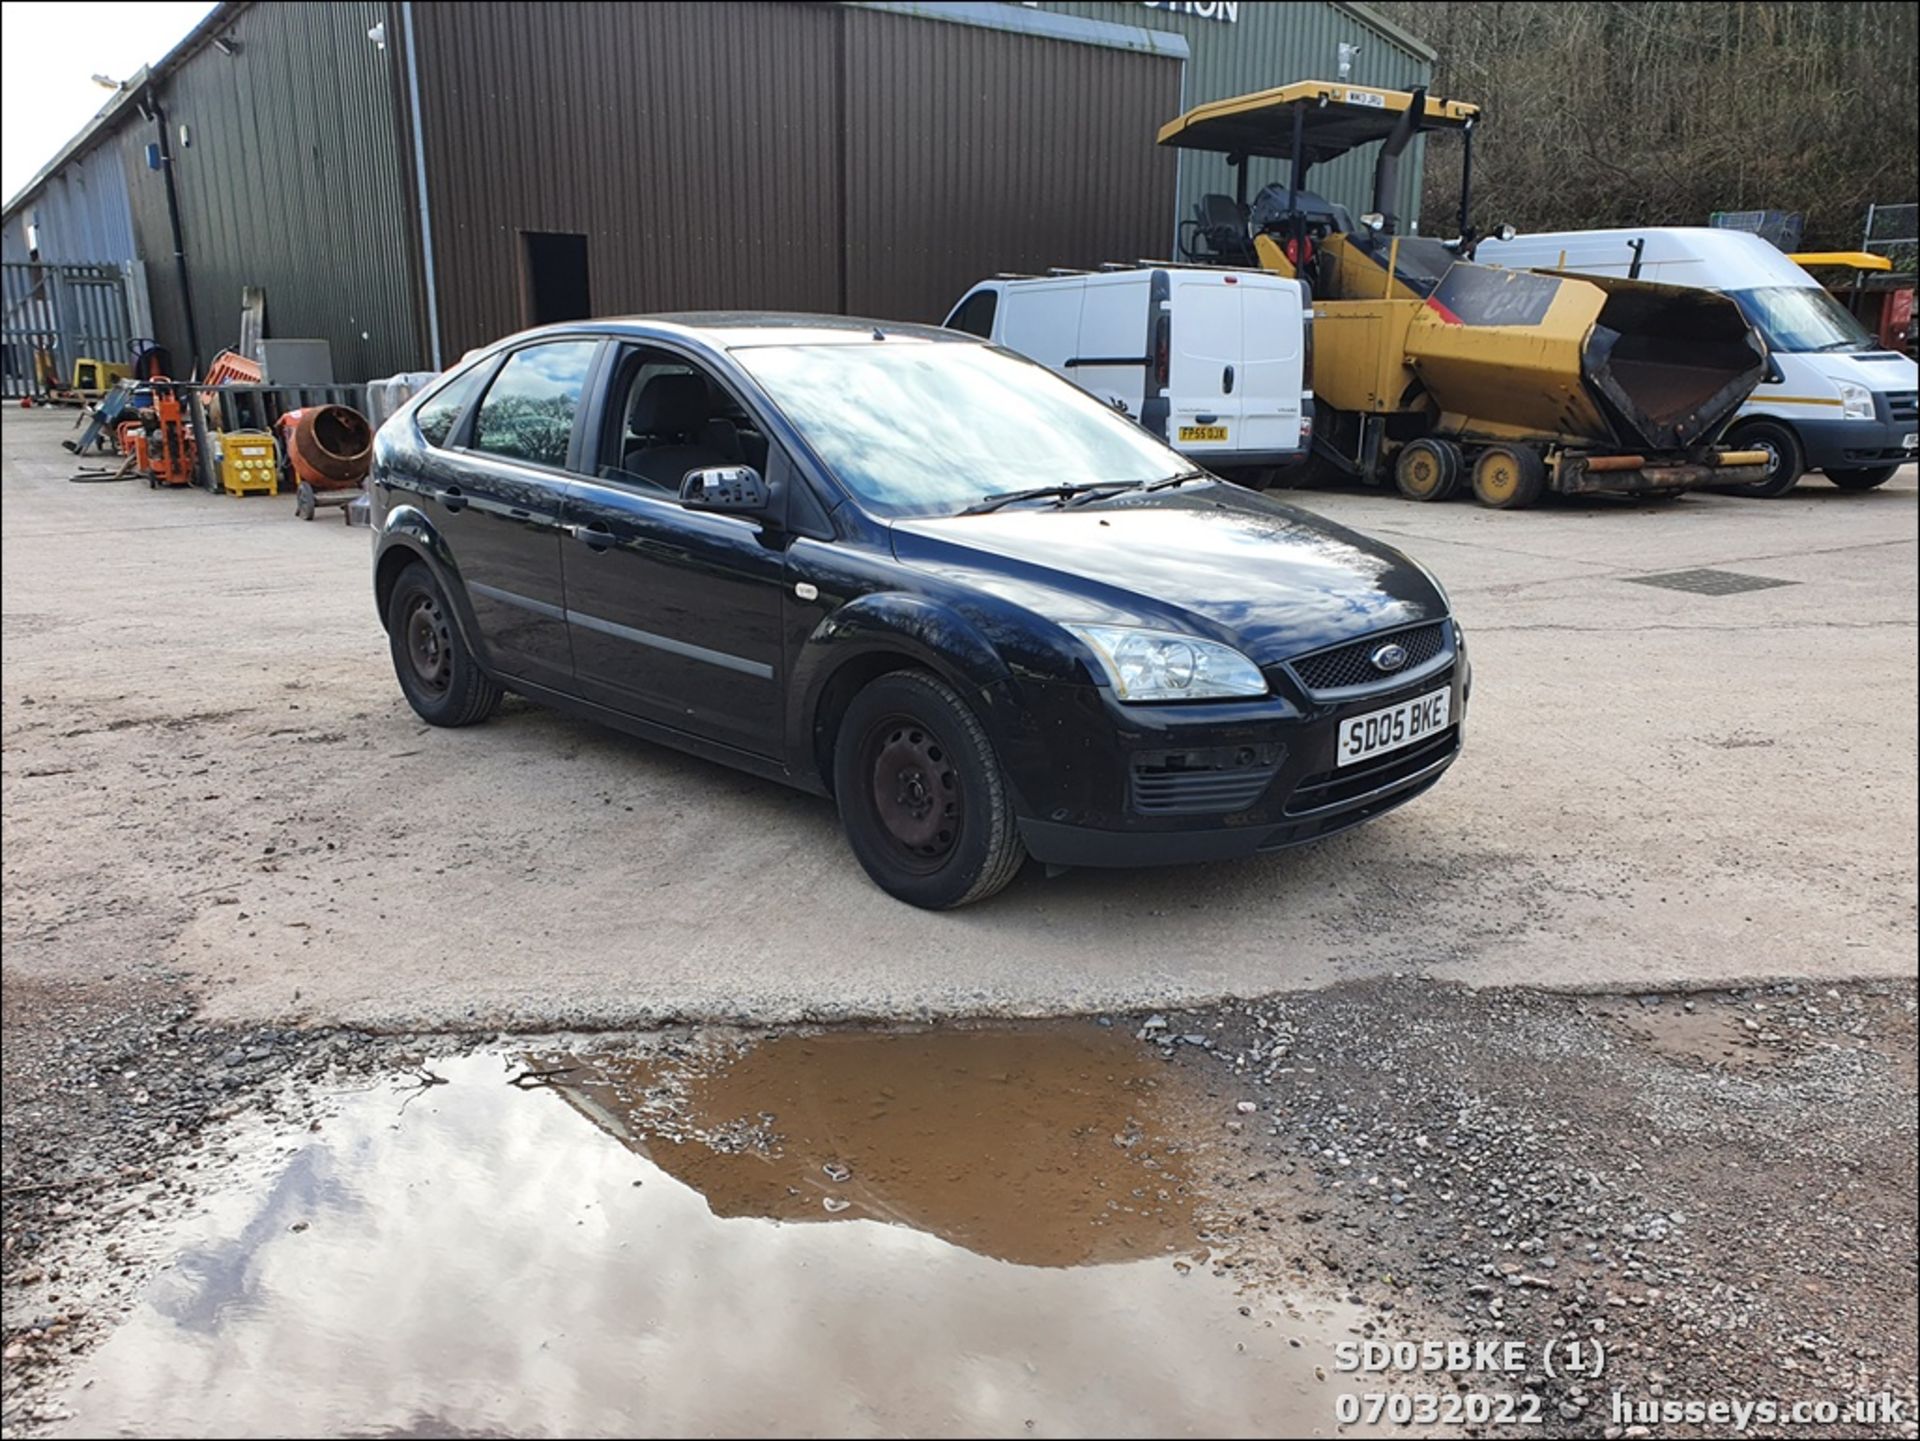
x=1381, y=731
x=1203, y=432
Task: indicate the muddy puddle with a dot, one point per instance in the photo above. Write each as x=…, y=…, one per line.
x=952, y=1232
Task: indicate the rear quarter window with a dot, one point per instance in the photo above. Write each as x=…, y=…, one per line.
x=440, y=412
x=975, y=315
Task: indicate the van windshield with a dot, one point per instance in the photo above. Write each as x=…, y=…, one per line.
x=1798, y=319
x=929, y=428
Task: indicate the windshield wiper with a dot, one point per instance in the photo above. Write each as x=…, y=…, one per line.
x=1838, y=345
x=1181, y=479
x=1104, y=489
x=1038, y=492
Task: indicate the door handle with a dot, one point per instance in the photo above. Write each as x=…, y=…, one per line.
x=596, y=535
x=453, y=499
x=1226, y=381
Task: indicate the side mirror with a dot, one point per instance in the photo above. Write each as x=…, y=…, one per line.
x=732, y=489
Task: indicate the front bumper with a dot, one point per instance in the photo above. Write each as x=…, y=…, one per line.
x=1855, y=444
x=1087, y=771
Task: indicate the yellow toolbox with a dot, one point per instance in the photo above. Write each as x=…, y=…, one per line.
x=249, y=463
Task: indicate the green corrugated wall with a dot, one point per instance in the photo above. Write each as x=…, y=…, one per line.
x=1273, y=42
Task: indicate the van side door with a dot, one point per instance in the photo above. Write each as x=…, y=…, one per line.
x=1114, y=359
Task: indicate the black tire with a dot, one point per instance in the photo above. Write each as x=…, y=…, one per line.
x=303, y=501
x=1866, y=479
x=1787, y=464
x=921, y=795
x=1427, y=469
x=1509, y=477
x=437, y=673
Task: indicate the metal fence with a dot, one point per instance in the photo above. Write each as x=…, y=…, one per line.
x=1891, y=231
x=255, y=407
x=54, y=315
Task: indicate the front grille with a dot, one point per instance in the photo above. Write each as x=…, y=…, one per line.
x=1332, y=789
x=1349, y=664
x=1216, y=781
x=1904, y=405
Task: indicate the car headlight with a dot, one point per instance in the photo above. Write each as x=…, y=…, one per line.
x=1856, y=402
x=1152, y=665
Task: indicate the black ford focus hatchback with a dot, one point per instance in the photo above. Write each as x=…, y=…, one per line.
x=990, y=617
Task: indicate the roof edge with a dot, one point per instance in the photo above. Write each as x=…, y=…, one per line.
x=97, y=129
x=1367, y=15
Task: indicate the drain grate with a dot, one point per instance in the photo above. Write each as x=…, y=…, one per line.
x=1709, y=582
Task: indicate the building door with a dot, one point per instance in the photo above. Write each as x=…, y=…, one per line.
x=554, y=277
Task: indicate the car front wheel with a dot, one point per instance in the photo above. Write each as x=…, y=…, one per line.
x=438, y=674
x=1785, y=460
x=921, y=795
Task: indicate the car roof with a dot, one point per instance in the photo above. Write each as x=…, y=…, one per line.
x=744, y=329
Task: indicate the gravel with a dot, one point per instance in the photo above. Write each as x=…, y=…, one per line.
x=1728, y=1223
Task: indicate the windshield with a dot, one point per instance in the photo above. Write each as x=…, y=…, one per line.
x=929, y=428
x=1795, y=319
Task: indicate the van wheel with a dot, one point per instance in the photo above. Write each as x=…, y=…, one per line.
x=1865, y=479
x=1509, y=477
x=1427, y=469
x=921, y=796
x=437, y=673
x=1786, y=461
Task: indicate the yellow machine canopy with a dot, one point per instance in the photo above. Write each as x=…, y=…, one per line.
x=1334, y=117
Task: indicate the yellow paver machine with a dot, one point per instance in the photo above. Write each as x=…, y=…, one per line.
x=1432, y=369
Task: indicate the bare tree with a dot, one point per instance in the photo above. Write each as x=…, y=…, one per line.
x=1637, y=112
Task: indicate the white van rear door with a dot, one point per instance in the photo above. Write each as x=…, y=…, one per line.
x=1205, y=394
x=1273, y=366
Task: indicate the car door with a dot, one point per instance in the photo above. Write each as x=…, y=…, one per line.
x=675, y=614
x=498, y=505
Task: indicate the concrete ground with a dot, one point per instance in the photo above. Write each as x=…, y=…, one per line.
x=209, y=770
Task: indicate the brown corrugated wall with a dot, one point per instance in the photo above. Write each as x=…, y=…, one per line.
x=972, y=150
x=776, y=156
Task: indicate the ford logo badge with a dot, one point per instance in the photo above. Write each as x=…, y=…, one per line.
x=1389, y=657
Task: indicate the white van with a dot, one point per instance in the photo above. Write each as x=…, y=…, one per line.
x=1215, y=362
x=1833, y=400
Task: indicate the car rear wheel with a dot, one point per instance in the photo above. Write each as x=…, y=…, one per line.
x=1865, y=479
x=1509, y=477
x=921, y=794
x=1427, y=469
x=1786, y=462
x=437, y=673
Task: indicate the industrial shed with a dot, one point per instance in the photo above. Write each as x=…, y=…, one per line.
x=408, y=180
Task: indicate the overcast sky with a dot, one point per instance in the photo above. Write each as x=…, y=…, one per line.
x=49, y=52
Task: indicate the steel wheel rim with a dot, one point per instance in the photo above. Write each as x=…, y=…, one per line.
x=1499, y=478
x=913, y=792
x=429, y=645
x=1423, y=472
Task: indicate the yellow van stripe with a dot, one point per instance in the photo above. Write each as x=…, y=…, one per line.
x=1793, y=400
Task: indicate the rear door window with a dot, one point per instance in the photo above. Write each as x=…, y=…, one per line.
x=529, y=410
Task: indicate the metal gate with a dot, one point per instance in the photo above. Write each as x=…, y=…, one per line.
x=55, y=315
